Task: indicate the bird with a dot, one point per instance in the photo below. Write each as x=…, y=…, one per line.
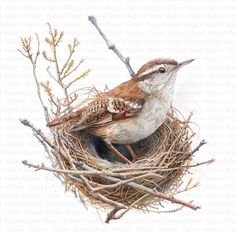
x=131, y=111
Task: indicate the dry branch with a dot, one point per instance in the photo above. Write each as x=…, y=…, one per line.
x=142, y=188
x=112, y=46
x=27, y=52
x=37, y=131
x=196, y=149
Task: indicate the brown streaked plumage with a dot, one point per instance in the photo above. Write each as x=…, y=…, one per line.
x=111, y=106
x=131, y=111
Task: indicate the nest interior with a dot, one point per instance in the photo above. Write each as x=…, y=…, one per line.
x=163, y=159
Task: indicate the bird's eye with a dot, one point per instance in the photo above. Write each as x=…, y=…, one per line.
x=162, y=69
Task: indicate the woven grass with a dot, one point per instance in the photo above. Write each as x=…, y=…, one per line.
x=163, y=159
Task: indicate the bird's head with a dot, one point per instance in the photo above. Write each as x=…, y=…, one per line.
x=156, y=74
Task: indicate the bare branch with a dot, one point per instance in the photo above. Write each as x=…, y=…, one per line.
x=22, y=53
x=112, y=215
x=117, y=206
x=78, y=78
x=122, y=182
x=47, y=58
x=146, y=190
x=50, y=74
x=37, y=52
x=53, y=42
x=67, y=73
x=71, y=52
x=81, y=172
x=26, y=45
x=57, y=170
x=50, y=156
x=37, y=131
x=112, y=46
x=196, y=149
x=208, y=162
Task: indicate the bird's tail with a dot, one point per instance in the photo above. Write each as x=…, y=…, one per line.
x=64, y=119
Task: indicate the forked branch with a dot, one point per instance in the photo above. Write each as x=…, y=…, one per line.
x=69, y=66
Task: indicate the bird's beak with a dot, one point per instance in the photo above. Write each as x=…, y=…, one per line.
x=181, y=64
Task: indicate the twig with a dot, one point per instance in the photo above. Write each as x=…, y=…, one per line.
x=163, y=196
x=202, y=163
x=122, y=182
x=48, y=151
x=112, y=46
x=52, y=159
x=74, y=69
x=37, y=131
x=77, y=78
x=196, y=149
x=173, y=210
x=69, y=66
x=78, y=172
x=71, y=51
x=26, y=45
x=116, y=180
x=117, y=206
x=121, y=213
x=143, y=170
x=112, y=215
x=50, y=74
x=146, y=190
x=53, y=42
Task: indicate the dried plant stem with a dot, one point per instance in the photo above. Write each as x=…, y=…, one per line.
x=88, y=173
x=162, y=195
x=116, y=180
x=160, y=169
x=117, y=206
x=50, y=156
x=123, y=182
x=53, y=46
x=26, y=46
x=69, y=66
x=108, y=173
x=57, y=170
x=147, y=190
x=196, y=149
x=37, y=131
x=112, y=46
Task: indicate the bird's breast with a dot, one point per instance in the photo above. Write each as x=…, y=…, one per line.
x=141, y=126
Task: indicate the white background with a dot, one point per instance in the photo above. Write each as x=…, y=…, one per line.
x=34, y=203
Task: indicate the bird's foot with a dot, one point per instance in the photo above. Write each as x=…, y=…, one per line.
x=134, y=156
x=111, y=147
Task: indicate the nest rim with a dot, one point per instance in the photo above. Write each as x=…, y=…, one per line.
x=175, y=132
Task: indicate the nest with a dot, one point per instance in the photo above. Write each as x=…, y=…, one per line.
x=95, y=174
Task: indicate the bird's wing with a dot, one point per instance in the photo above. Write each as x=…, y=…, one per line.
x=99, y=112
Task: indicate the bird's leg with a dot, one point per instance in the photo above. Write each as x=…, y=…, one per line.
x=110, y=146
x=131, y=151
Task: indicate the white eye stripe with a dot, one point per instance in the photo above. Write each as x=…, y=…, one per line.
x=153, y=69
